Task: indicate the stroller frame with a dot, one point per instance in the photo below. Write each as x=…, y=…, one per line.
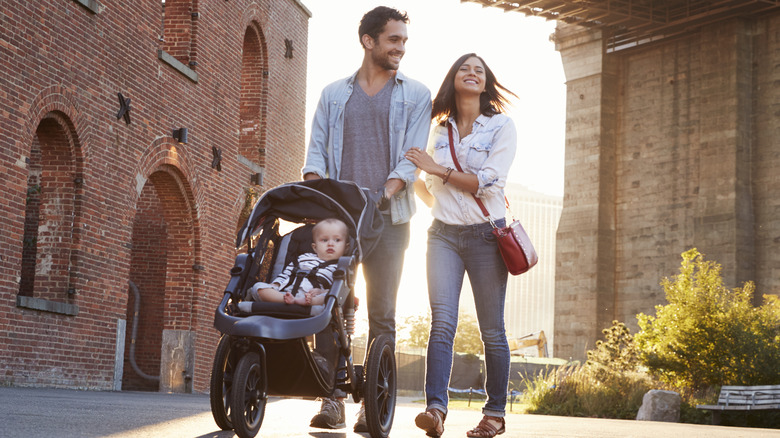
x=267, y=353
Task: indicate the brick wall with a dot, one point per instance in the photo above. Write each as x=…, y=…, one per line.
x=669, y=146
x=120, y=202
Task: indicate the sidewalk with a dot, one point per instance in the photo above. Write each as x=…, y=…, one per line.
x=68, y=413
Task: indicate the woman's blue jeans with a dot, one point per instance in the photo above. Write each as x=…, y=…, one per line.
x=453, y=250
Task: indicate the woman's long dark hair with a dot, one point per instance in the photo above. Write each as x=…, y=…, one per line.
x=491, y=102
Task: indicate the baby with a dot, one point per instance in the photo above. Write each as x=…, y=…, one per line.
x=329, y=243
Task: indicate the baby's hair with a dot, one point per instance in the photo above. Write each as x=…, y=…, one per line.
x=333, y=221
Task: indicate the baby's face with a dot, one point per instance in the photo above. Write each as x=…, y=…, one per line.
x=330, y=242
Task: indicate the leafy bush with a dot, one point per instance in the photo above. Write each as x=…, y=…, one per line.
x=617, y=351
x=709, y=335
x=608, y=385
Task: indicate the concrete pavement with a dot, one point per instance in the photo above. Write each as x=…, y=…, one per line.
x=34, y=412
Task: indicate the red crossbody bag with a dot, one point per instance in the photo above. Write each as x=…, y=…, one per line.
x=516, y=249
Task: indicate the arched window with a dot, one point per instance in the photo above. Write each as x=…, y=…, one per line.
x=179, y=27
x=253, y=99
x=52, y=206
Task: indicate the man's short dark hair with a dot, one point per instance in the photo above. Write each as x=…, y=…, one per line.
x=374, y=21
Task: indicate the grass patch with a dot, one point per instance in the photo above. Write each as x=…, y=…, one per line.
x=587, y=391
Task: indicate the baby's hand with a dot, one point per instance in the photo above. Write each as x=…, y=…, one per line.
x=288, y=298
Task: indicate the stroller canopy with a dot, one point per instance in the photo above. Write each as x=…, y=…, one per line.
x=314, y=200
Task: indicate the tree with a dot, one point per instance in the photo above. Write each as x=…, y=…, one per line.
x=467, y=337
x=708, y=334
x=417, y=329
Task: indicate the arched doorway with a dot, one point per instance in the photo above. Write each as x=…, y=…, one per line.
x=158, y=346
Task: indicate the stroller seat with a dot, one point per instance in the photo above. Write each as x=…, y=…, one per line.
x=288, y=249
x=283, y=252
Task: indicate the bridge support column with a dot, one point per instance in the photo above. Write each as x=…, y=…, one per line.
x=585, y=248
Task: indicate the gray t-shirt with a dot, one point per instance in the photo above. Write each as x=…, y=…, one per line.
x=365, y=158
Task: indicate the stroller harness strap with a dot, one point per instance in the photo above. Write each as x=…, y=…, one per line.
x=298, y=274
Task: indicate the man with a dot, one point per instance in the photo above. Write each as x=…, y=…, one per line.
x=363, y=126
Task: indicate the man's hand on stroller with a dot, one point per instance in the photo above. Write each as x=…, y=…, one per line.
x=381, y=199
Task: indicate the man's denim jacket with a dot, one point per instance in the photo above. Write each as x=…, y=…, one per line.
x=410, y=122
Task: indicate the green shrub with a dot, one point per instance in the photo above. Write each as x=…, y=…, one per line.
x=688, y=411
x=617, y=351
x=608, y=385
x=709, y=335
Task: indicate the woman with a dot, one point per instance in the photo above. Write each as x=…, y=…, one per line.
x=460, y=239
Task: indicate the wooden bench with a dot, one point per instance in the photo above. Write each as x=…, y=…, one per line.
x=744, y=398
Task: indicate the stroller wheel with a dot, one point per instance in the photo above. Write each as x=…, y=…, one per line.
x=380, y=387
x=221, y=382
x=248, y=396
x=357, y=388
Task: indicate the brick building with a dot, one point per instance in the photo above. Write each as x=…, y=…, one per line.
x=671, y=143
x=96, y=197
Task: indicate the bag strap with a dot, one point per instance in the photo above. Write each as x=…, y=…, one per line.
x=457, y=166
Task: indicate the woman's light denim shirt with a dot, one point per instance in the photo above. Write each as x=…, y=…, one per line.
x=410, y=122
x=487, y=152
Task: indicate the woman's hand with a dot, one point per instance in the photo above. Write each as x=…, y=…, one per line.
x=424, y=161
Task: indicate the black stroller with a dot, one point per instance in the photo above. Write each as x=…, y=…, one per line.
x=273, y=350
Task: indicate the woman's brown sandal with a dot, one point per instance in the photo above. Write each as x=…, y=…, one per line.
x=487, y=427
x=431, y=421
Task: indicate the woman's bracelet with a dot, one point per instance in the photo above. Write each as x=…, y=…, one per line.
x=446, y=175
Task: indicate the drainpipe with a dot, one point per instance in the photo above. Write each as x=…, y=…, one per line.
x=137, y=306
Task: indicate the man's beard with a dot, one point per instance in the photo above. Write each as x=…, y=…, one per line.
x=385, y=63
